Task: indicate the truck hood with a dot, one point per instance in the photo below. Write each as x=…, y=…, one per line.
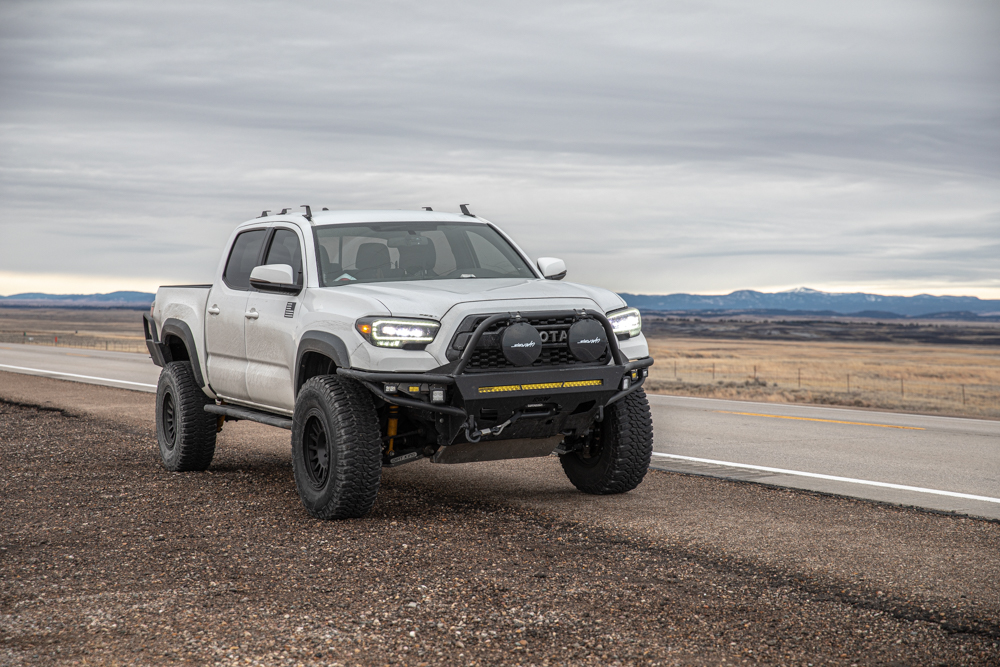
x=434, y=298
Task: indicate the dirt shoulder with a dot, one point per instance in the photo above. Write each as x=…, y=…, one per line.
x=106, y=558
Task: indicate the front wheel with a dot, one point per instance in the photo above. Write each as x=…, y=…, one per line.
x=184, y=431
x=336, y=448
x=615, y=457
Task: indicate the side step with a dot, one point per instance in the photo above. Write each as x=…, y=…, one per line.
x=250, y=414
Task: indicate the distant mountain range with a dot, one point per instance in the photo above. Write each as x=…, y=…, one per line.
x=111, y=300
x=798, y=302
x=803, y=301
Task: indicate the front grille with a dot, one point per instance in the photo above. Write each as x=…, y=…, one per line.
x=489, y=357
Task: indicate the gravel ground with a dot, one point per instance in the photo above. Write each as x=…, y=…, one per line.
x=106, y=558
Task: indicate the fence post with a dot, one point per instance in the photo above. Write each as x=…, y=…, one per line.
x=800, y=378
x=963, y=395
x=754, y=372
x=675, y=369
x=848, y=383
x=902, y=392
x=713, y=371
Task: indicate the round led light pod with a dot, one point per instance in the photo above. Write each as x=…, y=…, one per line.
x=521, y=344
x=587, y=340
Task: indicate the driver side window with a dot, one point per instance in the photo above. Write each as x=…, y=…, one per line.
x=285, y=250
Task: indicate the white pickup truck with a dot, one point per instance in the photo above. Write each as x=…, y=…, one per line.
x=384, y=337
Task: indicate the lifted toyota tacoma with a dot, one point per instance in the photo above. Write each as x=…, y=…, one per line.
x=383, y=337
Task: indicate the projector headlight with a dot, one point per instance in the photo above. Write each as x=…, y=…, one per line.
x=407, y=334
x=626, y=322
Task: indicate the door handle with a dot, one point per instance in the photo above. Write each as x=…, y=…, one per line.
x=214, y=310
x=252, y=314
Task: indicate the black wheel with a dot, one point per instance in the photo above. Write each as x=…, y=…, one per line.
x=336, y=448
x=616, y=455
x=184, y=431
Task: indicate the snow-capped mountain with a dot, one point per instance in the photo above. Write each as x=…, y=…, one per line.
x=806, y=299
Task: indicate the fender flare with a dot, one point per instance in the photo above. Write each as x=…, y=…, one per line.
x=179, y=328
x=322, y=342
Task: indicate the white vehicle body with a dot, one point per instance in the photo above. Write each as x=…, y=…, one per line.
x=246, y=344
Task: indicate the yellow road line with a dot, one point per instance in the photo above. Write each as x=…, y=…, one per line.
x=829, y=421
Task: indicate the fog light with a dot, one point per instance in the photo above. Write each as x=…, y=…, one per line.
x=645, y=372
x=437, y=395
x=626, y=383
x=390, y=389
x=634, y=375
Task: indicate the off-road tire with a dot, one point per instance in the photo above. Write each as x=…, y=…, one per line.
x=336, y=448
x=184, y=431
x=623, y=444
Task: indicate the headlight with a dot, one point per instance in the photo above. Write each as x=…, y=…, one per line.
x=626, y=322
x=407, y=334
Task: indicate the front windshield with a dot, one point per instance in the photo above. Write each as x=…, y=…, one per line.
x=393, y=251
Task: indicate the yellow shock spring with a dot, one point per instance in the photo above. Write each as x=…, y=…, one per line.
x=393, y=425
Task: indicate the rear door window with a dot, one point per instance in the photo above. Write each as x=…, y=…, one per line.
x=244, y=256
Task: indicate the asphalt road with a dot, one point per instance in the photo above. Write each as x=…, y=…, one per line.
x=940, y=463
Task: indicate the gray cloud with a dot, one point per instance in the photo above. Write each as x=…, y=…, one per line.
x=659, y=147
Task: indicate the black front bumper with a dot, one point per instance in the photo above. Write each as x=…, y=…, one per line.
x=542, y=402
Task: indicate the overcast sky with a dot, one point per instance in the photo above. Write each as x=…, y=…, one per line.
x=658, y=147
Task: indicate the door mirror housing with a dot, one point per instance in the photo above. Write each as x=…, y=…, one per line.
x=552, y=268
x=278, y=278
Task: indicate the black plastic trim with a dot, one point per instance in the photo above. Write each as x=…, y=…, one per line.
x=470, y=346
x=274, y=288
x=327, y=344
x=179, y=328
x=157, y=350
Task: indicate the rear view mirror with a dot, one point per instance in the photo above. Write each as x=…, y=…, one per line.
x=274, y=278
x=552, y=268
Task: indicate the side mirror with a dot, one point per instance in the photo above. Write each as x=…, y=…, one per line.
x=274, y=278
x=552, y=268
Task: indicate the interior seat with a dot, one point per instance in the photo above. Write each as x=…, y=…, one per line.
x=372, y=260
x=417, y=260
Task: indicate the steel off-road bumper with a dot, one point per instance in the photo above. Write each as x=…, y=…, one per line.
x=525, y=412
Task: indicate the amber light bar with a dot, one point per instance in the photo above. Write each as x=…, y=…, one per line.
x=540, y=386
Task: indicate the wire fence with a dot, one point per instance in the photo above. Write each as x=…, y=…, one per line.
x=865, y=387
x=809, y=382
x=75, y=341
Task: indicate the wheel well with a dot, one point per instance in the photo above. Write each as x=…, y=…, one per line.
x=178, y=351
x=311, y=365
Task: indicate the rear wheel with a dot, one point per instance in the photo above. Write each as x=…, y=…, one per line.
x=184, y=431
x=616, y=455
x=336, y=448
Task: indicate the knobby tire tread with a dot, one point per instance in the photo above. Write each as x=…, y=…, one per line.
x=631, y=448
x=357, y=440
x=196, y=429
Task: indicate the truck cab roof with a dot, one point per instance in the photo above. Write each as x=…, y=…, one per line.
x=348, y=217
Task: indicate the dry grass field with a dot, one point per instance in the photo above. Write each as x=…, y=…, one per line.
x=956, y=377
x=105, y=329
x=939, y=379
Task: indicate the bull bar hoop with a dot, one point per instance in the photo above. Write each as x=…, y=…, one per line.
x=369, y=379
